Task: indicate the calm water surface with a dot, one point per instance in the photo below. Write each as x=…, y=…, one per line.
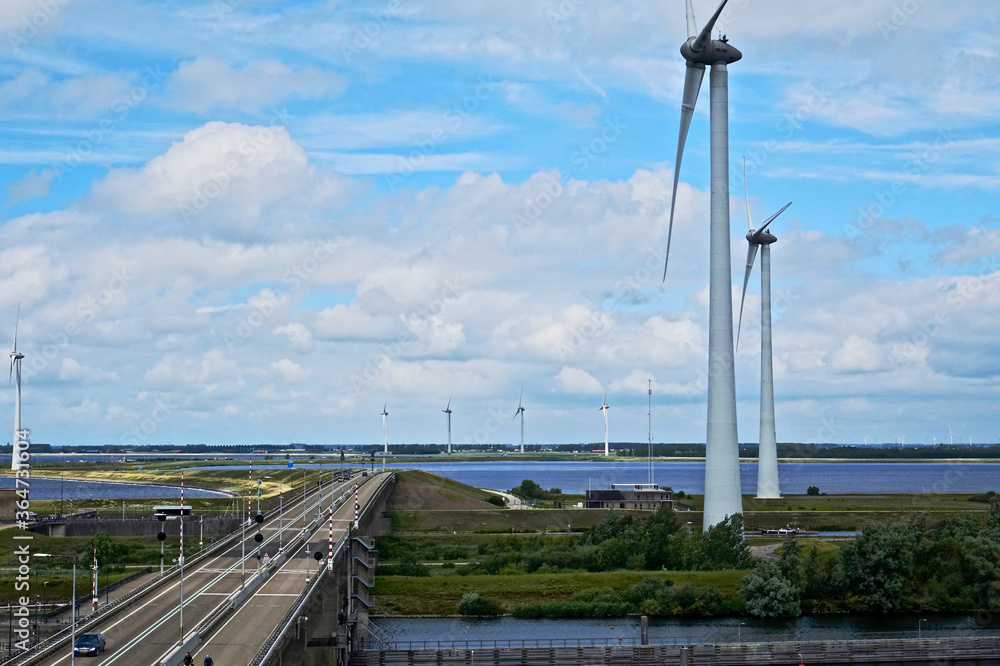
x=719, y=630
x=576, y=477
x=53, y=489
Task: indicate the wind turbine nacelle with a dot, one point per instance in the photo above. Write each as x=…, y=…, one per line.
x=763, y=237
x=716, y=52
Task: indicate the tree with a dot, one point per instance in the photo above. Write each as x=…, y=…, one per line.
x=768, y=593
x=812, y=490
x=791, y=562
x=876, y=566
x=110, y=555
x=721, y=547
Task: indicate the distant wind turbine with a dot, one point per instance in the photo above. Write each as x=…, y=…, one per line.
x=447, y=410
x=604, y=408
x=520, y=410
x=722, y=456
x=767, y=454
x=951, y=436
x=385, y=427
x=15, y=374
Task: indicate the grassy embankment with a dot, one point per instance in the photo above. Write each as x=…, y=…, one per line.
x=446, y=529
x=449, y=525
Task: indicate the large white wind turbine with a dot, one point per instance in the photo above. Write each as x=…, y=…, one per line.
x=767, y=454
x=15, y=374
x=520, y=410
x=604, y=408
x=722, y=456
x=447, y=410
x=385, y=428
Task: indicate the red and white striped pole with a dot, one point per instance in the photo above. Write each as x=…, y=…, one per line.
x=329, y=558
x=249, y=491
x=93, y=597
x=180, y=561
x=182, y=519
x=357, y=506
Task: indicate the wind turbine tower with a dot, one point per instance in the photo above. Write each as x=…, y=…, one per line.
x=722, y=456
x=15, y=373
x=385, y=428
x=767, y=454
x=649, y=430
x=520, y=410
x=604, y=408
x=447, y=410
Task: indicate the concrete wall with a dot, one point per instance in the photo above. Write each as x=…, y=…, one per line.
x=320, y=640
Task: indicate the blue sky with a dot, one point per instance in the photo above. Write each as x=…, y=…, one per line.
x=254, y=222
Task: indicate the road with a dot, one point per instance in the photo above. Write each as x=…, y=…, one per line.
x=144, y=634
x=238, y=639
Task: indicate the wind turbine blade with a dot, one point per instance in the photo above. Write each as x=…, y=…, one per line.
x=746, y=194
x=692, y=86
x=772, y=218
x=449, y=403
x=706, y=33
x=751, y=255
x=692, y=24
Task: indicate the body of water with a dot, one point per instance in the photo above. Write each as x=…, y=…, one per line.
x=682, y=631
x=795, y=478
x=54, y=489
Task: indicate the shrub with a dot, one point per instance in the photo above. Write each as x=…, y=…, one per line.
x=473, y=604
x=812, y=490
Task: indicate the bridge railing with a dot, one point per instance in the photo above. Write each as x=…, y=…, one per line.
x=273, y=644
x=908, y=638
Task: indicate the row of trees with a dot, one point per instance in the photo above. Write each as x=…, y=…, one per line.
x=918, y=565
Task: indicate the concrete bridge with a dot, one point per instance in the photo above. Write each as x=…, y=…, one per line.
x=241, y=609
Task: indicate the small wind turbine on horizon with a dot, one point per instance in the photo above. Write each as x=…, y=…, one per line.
x=604, y=408
x=15, y=374
x=385, y=427
x=951, y=436
x=447, y=410
x=520, y=410
x=767, y=454
x=722, y=456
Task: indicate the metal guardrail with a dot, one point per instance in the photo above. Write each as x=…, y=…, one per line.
x=519, y=643
x=273, y=642
x=925, y=650
x=104, y=590
x=274, y=639
x=50, y=644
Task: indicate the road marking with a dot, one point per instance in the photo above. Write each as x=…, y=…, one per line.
x=168, y=588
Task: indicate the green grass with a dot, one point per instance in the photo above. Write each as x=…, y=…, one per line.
x=416, y=489
x=526, y=520
x=439, y=595
x=904, y=502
